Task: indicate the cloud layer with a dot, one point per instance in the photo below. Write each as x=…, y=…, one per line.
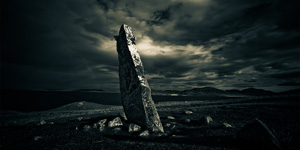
x=68, y=44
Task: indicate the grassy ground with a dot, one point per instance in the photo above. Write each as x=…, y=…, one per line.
x=282, y=116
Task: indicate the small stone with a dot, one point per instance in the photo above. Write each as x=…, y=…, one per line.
x=188, y=112
x=172, y=127
x=117, y=129
x=168, y=125
x=187, y=120
x=134, y=128
x=51, y=123
x=80, y=118
x=206, y=120
x=95, y=125
x=42, y=122
x=144, y=134
x=170, y=117
x=122, y=115
x=102, y=122
x=115, y=122
x=37, y=138
x=227, y=125
x=102, y=128
x=80, y=104
x=76, y=128
x=86, y=128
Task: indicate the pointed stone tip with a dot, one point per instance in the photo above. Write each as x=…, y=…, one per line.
x=122, y=29
x=123, y=26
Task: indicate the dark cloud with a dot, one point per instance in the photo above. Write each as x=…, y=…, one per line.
x=160, y=16
x=183, y=44
x=107, y=4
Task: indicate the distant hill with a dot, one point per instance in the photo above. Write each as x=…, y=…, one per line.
x=166, y=92
x=291, y=92
x=206, y=91
x=89, y=90
x=257, y=92
x=214, y=92
x=39, y=100
x=83, y=105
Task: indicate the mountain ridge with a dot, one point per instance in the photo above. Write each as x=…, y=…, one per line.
x=211, y=91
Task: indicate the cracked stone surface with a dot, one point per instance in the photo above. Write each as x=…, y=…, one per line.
x=135, y=90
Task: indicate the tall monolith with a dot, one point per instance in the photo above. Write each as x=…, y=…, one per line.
x=135, y=90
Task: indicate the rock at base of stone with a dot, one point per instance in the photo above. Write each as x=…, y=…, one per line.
x=144, y=134
x=134, y=128
x=115, y=122
x=256, y=135
x=170, y=126
x=135, y=90
x=100, y=125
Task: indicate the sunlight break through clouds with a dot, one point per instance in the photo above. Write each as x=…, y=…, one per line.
x=183, y=44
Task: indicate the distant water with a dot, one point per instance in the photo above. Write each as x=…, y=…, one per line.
x=26, y=101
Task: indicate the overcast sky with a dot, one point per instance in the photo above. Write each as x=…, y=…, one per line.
x=232, y=44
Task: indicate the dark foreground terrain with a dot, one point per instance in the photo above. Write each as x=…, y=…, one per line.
x=65, y=127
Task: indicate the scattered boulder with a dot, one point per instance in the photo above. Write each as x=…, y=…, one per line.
x=37, y=137
x=115, y=122
x=144, y=134
x=86, y=128
x=80, y=104
x=134, y=128
x=42, y=122
x=100, y=125
x=122, y=115
x=95, y=125
x=256, y=135
x=188, y=112
x=135, y=91
x=205, y=120
x=170, y=126
x=170, y=117
x=227, y=125
x=102, y=122
x=80, y=118
x=187, y=120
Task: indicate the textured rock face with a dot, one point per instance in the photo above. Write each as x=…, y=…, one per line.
x=135, y=91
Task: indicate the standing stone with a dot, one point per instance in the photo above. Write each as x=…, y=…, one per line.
x=135, y=91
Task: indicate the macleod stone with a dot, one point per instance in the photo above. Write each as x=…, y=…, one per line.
x=135, y=91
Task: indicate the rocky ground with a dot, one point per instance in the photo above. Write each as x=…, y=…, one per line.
x=188, y=125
